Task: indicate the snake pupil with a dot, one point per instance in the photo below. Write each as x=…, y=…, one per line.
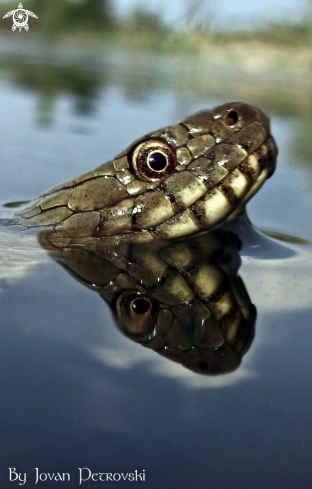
x=141, y=306
x=157, y=161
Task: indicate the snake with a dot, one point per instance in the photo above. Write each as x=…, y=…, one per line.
x=170, y=183
x=181, y=298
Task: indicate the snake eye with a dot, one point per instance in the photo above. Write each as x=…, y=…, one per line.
x=153, y=160
x=136, y=312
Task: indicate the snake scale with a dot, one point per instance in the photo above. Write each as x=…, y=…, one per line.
x=171, y=183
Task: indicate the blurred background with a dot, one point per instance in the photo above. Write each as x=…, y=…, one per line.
x=238, y=48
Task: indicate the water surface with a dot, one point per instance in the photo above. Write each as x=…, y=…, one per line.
x=75, y=391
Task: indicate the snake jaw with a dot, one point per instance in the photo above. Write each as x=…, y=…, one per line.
x=170, y=183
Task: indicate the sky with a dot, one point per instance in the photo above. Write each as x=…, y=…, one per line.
x=229, y=13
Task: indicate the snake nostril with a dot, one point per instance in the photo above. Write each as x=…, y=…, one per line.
x=231, y=118
x=202, y=366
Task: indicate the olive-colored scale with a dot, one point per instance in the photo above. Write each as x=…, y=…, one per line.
x=170, y=183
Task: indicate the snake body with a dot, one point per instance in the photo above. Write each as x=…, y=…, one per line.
x=168, y=184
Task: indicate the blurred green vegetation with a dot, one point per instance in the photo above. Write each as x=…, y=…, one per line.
x=146, y=30
x=93, y=21
x=76, y=46
x=57, y=16
x=78, y=49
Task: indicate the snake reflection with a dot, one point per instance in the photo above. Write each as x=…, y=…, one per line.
x=181, y=298
x=110, y=228
x=171, y=183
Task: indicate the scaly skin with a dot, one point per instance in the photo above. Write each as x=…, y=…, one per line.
x=182, y=299
x=168, y=184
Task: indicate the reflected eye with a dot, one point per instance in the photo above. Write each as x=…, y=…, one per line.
x=153, y=160
x=136, y=312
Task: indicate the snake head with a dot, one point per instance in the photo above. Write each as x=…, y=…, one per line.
x=171, y=183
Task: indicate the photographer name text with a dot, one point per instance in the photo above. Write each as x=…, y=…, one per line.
x=84, y=474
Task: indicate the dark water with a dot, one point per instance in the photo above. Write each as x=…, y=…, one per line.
x=77, y=393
